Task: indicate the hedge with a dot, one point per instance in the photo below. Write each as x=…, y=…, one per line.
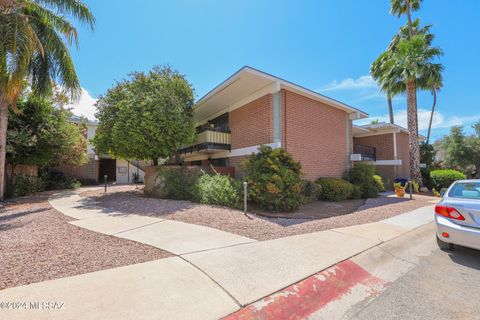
x=334, y=189
x=444, y=178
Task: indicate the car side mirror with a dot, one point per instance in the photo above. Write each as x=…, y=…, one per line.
x=442, y=192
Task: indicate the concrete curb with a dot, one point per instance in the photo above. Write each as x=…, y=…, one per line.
x=331, y=293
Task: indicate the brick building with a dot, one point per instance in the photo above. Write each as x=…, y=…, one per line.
x=253, y=108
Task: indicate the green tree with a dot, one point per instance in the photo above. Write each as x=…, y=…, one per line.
x=147, y=117
x=34, y=40
x=462, y=152
x=43, y=135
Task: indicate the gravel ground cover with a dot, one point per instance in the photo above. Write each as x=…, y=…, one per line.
x=37, y=243
x=130, y=199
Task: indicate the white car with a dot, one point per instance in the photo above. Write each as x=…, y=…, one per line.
x=457, y=216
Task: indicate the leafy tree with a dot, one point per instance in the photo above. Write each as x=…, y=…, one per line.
x=427, y=153
x=462, y=152
x=148, y=116
x=34, y=40
x=43, y=135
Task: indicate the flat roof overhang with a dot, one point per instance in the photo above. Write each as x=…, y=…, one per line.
x=249, y=84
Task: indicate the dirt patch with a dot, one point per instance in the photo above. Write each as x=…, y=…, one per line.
x=37, y=243
x=316, y=210
x=128, y=199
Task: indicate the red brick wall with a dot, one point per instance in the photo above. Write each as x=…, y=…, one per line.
x=315, y=135
x=252, y=124
x=384, y=147
x=236, y=162
x=403, y=153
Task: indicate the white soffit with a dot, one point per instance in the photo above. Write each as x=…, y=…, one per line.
x=248, y=84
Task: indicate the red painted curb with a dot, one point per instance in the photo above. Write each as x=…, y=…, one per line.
x=308, y=296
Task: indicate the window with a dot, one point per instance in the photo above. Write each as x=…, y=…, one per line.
x=467, y=190
x=196, y=163
x=222, y=162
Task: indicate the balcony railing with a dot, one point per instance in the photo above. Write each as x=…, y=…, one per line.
x=209, y=140
x=367, y=153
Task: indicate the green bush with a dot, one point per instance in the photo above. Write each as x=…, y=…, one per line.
x=274, y=179
x=426, y=177
x=310, y=191
x=357, y=193
x=363, y=175
x=379, y=182
x=60, y=182
x=333, y=189
x=25, y=185
x=178, y=183
x=444, y=178
x=217, y=189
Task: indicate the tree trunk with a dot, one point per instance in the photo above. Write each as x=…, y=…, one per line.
x=390, y=109
x=409, y=18
x=434, y=92
x=412, y=130
x=155, y=162
x=3, y=143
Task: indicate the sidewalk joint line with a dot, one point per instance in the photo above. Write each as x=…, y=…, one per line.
x=146, y=225
x=218, y=248
x=213, y=280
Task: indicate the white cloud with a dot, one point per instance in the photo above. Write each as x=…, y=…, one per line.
x=439, y=120
x=363, y=82
x=85, y=106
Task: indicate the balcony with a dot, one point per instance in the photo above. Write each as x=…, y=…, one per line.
x=363, y=153
x=209, y=140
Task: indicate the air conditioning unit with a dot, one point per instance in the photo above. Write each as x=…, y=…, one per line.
x=355, y=157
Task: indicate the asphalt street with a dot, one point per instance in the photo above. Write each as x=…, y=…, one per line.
x=443, y=285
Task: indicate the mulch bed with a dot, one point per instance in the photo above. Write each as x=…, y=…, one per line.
x=37, y=243
x=310, y=218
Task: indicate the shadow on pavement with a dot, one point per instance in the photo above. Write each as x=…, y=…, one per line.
x=466, y=257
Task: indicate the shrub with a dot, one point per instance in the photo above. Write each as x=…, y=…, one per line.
x=25, y=185
x=444, y=178
x=274, y=179
x=357, y=193
x=58, y=181
x=362, y=175
x=217, y=189
x=178, y=183
x=426, y=177
x=333, y=189
x=310, y=191
x=379, y=182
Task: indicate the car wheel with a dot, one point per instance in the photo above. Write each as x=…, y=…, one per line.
x=444, y=246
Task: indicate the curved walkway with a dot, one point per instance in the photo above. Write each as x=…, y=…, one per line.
x=174, y=236
x=213, y=274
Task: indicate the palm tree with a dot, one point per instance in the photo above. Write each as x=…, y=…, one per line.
x=34, y=39
x=433, y=82
x=410, y=63
x=390, y=86
x=405, y=7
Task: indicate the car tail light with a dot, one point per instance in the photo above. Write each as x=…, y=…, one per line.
x=448, y=212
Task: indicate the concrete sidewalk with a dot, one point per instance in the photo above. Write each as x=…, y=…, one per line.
x=174, y=236
x=214, y=273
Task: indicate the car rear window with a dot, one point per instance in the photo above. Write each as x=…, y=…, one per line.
x=467, y=190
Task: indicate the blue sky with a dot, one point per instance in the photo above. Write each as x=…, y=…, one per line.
x=323, y=45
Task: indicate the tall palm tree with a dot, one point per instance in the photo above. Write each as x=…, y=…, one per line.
x=405, y=7
x=433, y=82
x=411, y=62
x=390, y=86
x=34, y=40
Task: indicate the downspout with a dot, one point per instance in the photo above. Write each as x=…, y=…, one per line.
x=285, y=118
x=395, y=169
x=348, y=133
